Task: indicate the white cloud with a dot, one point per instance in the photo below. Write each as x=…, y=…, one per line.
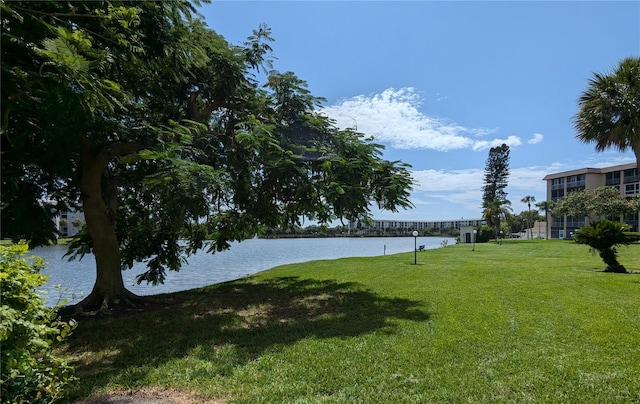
x=393, y=116
x=537, y=138
x=529, y=179
x=455, y=187
x=511, y=141
x=606, y=159
x=451, y=180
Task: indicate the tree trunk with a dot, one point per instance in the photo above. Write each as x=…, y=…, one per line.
x=529, y=222
x=109, y=290
x=608, y=255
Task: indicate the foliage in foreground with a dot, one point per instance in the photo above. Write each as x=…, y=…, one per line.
x=31, y=373
x=609, y=113
x=604, y=236
x=526, y=321
x=169, y=138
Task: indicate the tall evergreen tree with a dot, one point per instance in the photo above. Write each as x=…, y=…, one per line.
x=496, y=174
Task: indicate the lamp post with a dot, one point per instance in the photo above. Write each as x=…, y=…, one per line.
x=474, y=240
x=415, y=247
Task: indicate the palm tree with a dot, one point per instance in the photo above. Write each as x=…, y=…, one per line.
x=529, y=200
x=494, y=210
x=604, y=236
x=545, y=206
x=609, y=109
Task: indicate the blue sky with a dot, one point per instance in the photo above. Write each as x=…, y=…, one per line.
x=440, y=82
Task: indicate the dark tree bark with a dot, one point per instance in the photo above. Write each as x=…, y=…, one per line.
x=108, y=290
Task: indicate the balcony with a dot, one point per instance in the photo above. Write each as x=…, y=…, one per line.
x=576, y=184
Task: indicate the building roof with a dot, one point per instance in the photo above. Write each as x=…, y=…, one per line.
x=588, y=170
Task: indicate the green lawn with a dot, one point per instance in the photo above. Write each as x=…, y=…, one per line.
x=525, y=321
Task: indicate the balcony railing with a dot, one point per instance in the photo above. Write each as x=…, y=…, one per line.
x=576, y=184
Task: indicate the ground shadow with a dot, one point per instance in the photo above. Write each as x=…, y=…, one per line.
x=250, y=315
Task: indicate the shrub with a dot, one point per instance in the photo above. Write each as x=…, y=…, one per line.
x=30, y=373
x=485, y=234
x=604, y=236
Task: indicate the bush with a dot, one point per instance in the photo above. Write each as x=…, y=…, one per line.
x=604, y=236
x=485, y=234
x=30, y=373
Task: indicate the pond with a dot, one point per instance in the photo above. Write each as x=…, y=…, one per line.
x=74, y=280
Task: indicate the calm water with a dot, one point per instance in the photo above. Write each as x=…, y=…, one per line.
x=74, y=280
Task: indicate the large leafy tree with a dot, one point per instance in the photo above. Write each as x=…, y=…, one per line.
x=596, y=204
x=160, y=131
x=609, y=109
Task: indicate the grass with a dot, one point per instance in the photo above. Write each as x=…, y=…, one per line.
x=525, y=321
x=60, y=241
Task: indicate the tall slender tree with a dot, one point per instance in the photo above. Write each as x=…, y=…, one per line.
x=494, y=197
x=545, y=207
x=609, y=109
x=529, y=199
x=496, y=174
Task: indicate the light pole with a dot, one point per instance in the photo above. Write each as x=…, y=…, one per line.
x=474, y=240
x=415, y=247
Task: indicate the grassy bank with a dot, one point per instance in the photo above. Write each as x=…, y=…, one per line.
x=60, y=241
x=525, y=321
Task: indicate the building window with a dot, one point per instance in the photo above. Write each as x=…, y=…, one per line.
x=630, y=175
x=576, y=181
x=632, y=189
x=557, y=221
x=632, y=220
x=557, y=183
x=557, y=194
x=613, y=178
x=575, y=222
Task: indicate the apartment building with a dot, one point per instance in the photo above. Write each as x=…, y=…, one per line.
x=624, y=177
x=68, y=223
x=395, y=227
